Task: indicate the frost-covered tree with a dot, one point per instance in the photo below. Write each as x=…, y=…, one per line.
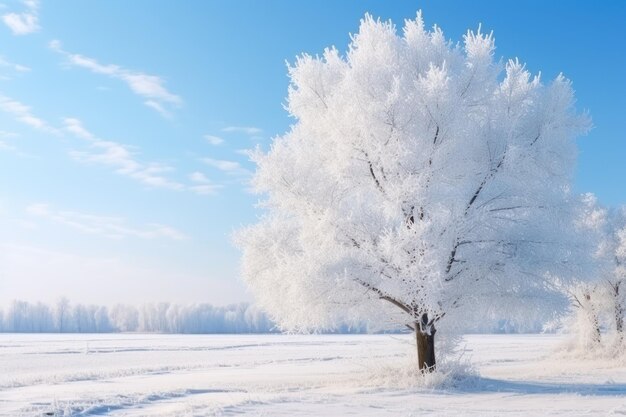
x=22, y=316
x=423, y=183
x=84, y=318
x=101, y=320
x=588, y=297
x=607, y=290
x=587, y=302
x=124, y=318
x=62, y=315
x=617, y=278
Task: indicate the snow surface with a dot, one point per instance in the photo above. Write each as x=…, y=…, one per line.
x=292, y=375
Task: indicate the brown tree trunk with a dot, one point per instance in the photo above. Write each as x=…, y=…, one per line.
x=425, y=348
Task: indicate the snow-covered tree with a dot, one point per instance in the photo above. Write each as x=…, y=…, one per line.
x=608, y=229
x=62, y=315
x=598, y=303
x=587, y=302
x=588, y=296
x=101, y=320
x=22, y=316
x=124, y=318
x=43, y=321
x=84, y=318
x=617, y=279
x=423, y=183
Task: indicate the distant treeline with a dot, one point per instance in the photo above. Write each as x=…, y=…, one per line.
x=66, y=317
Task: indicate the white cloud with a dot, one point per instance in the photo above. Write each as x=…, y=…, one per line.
x=158, y=108
x=7, y=146
x=151, y=175
x=203, y=185
x=213, y=140
x=149, y=87
x=15, y=67
x=124, y=162
x=244, y=152
x=248, y=130
x=230, y=167
x=109, y=227
x=120, y=158
x=75, y=127
x=199, y=177
x=25, y=22
x=54, y=44
x=234, y=169
x=23, y=114
x=205, y=189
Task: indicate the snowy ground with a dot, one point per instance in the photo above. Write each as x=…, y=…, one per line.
x=276, y=375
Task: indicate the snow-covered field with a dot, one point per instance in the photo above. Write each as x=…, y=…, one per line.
x=277, y=375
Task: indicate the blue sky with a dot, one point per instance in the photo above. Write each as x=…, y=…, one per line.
x=123, y=126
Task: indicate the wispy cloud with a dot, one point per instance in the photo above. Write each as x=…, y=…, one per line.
x=248, y=130
x=202, y=184
x=244, y=152
x=158, y=108
x=120, y=158
x=6, y=134
x=7, y=147
x=4, y=146
x=222, y=165
x=229, y=167
x=109, y=227
x=149, y=87
x=76, y=127
x=25, y=22
x=23, y=114
x=13, y=66
x=123, y=161
x=213, y=140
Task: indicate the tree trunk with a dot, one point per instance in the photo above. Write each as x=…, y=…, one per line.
x=425, y=348
x=596, y=328
x=619, y=320
x=618, y=311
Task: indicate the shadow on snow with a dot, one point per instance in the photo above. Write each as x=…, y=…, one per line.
x=489, y=385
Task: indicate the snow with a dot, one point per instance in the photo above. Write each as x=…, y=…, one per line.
x=293, y=375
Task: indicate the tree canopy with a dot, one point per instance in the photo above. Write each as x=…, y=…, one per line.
x=422, y=183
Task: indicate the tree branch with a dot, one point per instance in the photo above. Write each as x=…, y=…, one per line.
x=480, y=188
x=385, y=297
x=370, y=165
